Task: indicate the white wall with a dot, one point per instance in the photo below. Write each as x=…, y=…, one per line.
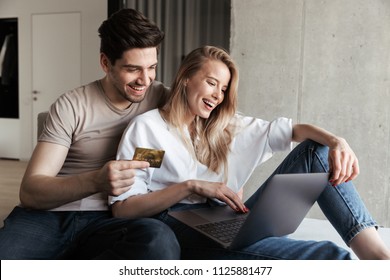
x=322, y=62
x=93, y=12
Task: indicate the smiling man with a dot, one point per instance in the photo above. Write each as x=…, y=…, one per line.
x=129, y=78
x=64, y=212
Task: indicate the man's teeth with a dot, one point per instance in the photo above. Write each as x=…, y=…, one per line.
x=138, y=88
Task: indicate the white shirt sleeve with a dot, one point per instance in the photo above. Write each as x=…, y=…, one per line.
x=280, y=134
x=255, y=142
x=264, y=137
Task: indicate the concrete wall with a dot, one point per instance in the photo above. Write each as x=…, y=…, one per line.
x=322, y=62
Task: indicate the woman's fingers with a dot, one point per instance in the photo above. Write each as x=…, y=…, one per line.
x=233, y=200
x=222, y=192
x=343, y=166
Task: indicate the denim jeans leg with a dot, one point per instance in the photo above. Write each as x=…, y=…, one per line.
x=284, y=248
x=342, y=204
x=196, y=246
x=131, y=239
x=34, y=234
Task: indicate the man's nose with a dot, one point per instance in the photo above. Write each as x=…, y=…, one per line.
x=144, y=78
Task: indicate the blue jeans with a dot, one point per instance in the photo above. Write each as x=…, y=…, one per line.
x=36, y=234
x=341, y=204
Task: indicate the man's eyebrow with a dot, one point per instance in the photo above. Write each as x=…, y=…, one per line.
x=131, y=66
x=153, y=65
x=137, y=66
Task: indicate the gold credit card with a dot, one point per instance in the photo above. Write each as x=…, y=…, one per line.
x=153, y=156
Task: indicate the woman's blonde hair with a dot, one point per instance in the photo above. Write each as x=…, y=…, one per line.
x=211, y=137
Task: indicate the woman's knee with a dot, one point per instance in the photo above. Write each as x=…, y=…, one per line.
x=317, y=155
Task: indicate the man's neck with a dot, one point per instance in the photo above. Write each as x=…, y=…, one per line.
x=113, y=96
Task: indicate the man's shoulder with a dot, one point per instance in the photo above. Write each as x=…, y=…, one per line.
x=85, y=89
x=158, y=86
x=76, y=102
x=81, y=96
x=155, y=97
x=157, y=89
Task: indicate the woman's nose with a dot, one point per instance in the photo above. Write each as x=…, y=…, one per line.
x=218, y=94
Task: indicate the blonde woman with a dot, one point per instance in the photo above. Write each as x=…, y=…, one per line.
x=211, y=151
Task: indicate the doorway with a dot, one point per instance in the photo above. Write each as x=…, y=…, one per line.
x=56, y=59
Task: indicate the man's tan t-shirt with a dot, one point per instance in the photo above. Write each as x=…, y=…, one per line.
x=86, y=122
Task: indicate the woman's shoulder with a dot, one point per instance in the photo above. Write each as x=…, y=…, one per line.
x=153, y=114
x=242, y=119
x=148, y=125
x=150, y=118
x=241, y=123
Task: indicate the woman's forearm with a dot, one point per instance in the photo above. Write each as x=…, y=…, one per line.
x=303, y=132
x=146, y=205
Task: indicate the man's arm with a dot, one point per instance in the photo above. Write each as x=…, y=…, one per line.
x=42, y=189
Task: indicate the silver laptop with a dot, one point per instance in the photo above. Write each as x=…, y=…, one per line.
x=278, y=211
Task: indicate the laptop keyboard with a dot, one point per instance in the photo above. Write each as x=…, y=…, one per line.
x=225, y=231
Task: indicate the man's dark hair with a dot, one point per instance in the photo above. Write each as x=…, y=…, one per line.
x=127, y=29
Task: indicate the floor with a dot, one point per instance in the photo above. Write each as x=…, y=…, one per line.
x=11, y=173
x=316, y=229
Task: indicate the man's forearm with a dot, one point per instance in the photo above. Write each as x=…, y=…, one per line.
x=45, y=192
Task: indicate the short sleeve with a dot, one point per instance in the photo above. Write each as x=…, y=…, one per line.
x=280, y=134
x=60, y=123
x=256, y=141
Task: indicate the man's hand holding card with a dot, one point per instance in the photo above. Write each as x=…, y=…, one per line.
x=153, y=156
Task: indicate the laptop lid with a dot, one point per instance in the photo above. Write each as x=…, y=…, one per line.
x=278, y=211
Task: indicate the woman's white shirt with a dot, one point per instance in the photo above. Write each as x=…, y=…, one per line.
x=255, y=142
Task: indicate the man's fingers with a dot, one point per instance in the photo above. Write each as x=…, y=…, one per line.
x=121, y=189
x=120, y=175
x=132, y=164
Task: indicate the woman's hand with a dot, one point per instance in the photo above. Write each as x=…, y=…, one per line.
x=220, y=191
x=343, y=163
